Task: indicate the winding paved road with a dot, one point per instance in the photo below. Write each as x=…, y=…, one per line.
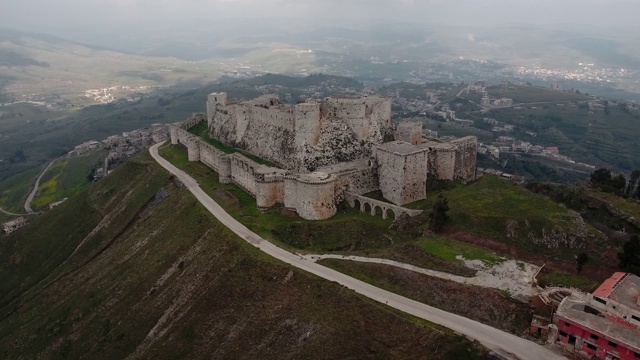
x=11, y=214
x=499, y=341
x=32, y=194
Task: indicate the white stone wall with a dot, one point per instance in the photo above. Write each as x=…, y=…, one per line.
x=466, y=155
x=210, y=156
x=242, y=170
x=442, y=163
x=193, y=149
x=276, y=117
x=304, y=136
x=403, y=177
x=224, y=169
x=410, y=132
x=307, y=124
x=269, y=194
x=214, y=101
x=311, y=201
x=173, y=130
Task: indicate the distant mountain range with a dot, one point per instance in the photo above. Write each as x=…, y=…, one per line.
x=35, y=63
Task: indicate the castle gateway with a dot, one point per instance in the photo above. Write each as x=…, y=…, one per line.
x=324, y=151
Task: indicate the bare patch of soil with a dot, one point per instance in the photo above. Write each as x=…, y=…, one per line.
x=591, y=271
x=228, y=199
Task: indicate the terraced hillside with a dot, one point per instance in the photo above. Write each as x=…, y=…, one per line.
x=135, y=267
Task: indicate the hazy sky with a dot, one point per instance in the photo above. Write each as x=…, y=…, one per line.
x=54, y=15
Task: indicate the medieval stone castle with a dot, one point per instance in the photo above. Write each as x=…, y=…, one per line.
x=324, y=152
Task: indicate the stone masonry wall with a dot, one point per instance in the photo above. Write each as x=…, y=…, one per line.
x=410, y=132
x=269, y=193
x=466, y=154
x=403, y=177
x=442, y=163
x=360, y=182
x=304, y=136
x=211, y=156
x=242, y=172
x=312, y=201
x=307, y=124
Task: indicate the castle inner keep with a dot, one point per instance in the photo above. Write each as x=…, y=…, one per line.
x=324, y=152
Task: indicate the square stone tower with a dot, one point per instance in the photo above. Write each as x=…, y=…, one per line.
x=402, y=171
x=215, y=100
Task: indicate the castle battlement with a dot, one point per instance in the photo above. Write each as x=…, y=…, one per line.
x=326, y=151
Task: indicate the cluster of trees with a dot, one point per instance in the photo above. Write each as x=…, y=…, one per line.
x=18, y=156
x=629, y=257
x=438, y=217
x=619, y=184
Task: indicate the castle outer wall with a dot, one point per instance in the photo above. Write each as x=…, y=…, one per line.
x=313, y=198
x=342, y=136
x=304, y=136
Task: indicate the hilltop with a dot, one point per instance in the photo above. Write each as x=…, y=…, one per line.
x=71, y=68
x=140, y=269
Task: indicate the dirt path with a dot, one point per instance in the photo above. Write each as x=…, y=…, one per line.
x=510, y=275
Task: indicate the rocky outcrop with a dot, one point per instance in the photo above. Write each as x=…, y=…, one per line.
x=570, y=231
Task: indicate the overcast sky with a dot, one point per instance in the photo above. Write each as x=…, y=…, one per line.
x=53, y=15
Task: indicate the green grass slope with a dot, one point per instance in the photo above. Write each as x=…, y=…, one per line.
x=347, y=230
x=156, y=276
x=497, y=209
x=595, y=137
x=14, y=190
x=66, y=177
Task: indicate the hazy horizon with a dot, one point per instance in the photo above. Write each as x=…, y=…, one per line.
x=77, y=19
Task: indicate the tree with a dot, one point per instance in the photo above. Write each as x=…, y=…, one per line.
x=18, y=156
x=618, y=183
x=629, y=257
x=600, y=177
x=581, y=259
x=438, y=217
x=633, y=180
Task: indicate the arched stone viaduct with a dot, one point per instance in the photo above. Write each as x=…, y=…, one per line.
x=374, y=204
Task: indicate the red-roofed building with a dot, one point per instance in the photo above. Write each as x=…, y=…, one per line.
x=606, y=323
x=606, y=288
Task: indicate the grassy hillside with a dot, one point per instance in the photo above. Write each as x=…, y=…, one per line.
x=497, y=209
x=348, y=229
x=487, y=217
x=596, y=137
x=70, y=67
x=529, y=94
x=156, y=276
x=66, y=177
x=14, y=190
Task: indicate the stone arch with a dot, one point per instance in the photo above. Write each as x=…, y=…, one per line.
x=389, y=211
x=366, y=207
x=359, y=204
x=377, y=210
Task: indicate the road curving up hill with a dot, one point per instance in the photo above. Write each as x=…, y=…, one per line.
x=494, y=339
